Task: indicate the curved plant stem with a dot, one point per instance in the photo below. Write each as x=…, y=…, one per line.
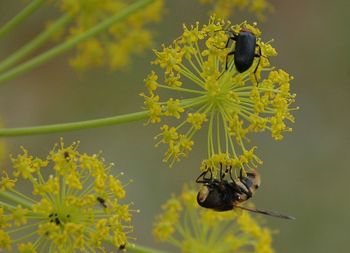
x=35, y=43
x=16, y=20
x=64, y=127
x=61, y=48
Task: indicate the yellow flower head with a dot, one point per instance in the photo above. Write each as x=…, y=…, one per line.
x=192, y=228
x=226, y=8
x=76, y=204
x=229, y=105
x=114, y=47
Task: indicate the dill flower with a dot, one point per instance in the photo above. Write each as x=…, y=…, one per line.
x=115, y=47
x=225, y=8
x=229, y=104
x=74, y=203
x=191, y=228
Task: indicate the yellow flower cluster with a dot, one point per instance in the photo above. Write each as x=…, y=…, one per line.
x=75, y=204
x=230, y=104
x=226, y=8
x=191, y=228
x=115, y=47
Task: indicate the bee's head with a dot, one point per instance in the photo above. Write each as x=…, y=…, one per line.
x=255, y=180
x=249, y=183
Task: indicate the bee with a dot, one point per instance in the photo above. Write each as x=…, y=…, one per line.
x=223, y=195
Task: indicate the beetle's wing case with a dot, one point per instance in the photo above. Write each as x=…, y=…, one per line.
x=244, y=51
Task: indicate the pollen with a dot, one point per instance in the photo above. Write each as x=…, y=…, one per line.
x=205, y=90
x=64, y=212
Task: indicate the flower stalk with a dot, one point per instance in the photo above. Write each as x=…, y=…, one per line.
x=13, y=198
x=74, y=126
x=35, y=43
x=20, y=17
x=142, y=249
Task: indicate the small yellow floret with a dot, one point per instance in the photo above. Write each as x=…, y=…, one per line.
x=197, y=119
x=173, y=108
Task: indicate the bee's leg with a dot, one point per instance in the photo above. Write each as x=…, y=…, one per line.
x=241, y=175
x=247, y=183
x=204, y=179
x=211, y=175
x=221, y=174
x=230, y=170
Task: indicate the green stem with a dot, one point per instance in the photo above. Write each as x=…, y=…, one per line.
x=182, y=89
x=64, y=127
x=35, y=43
x=11, y=24
x=142, y=249
x=15, y=199
x=61, y=48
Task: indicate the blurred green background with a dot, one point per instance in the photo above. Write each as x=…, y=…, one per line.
x=305, y=175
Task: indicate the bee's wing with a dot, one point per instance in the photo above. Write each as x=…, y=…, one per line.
x=270, y=213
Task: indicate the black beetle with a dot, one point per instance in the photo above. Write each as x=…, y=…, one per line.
x=244, y=51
